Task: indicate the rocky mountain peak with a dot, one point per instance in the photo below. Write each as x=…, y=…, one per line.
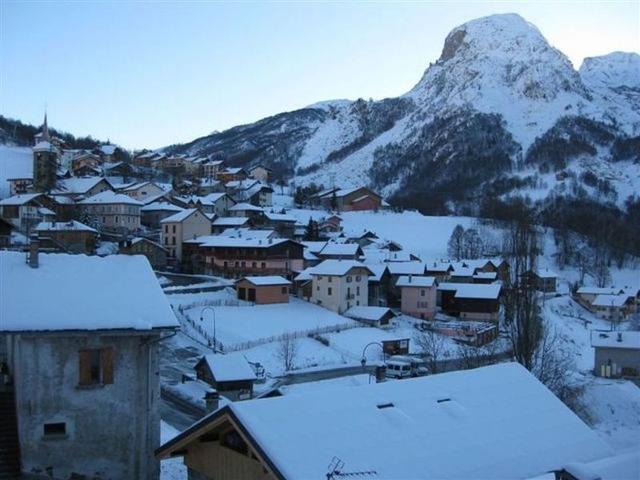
x=617, y=69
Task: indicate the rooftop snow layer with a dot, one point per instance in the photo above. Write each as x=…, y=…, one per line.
x=230, y=367
x=77, y=292
x=491, y=422
x=415, y=281
x=63, y=226
x=267, y=280
x=629, y=339
x=337, y=267
x=109, y=197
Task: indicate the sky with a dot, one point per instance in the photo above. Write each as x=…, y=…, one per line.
x=150, y=74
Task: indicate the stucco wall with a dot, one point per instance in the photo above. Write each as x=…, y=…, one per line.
x=340, y=288
x=112, y=430
x=415, y=304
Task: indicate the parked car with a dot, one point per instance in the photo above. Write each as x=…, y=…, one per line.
x=418, y=365
x=398, y=369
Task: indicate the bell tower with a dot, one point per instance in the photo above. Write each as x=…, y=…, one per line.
x=45, y=160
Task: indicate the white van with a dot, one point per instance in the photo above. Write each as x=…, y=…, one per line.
x=397, y=369
x=418, y=365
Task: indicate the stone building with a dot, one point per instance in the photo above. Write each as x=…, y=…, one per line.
x=82, y=337
x=45, y=161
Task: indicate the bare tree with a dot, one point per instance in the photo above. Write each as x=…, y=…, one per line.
x=600, y=269
x=471, y=356
x=472, y=244
x=433, y=346
x=455, y=245
x=520, y=300
x=287, y=351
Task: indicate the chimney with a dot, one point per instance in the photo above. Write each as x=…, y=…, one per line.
x=619, y=337
x=34, y=247
x=410, y=278
x=212, y=400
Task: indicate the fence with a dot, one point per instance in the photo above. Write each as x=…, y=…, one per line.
x=219, y=346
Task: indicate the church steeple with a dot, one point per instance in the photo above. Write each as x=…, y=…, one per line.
x=45, y=129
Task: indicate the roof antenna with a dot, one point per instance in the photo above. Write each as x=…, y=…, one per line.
x=335, y=471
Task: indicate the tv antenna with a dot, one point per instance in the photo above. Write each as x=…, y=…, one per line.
x=335, y=471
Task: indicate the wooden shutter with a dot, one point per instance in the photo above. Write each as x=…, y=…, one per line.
x=84, y=369
x=106, y=360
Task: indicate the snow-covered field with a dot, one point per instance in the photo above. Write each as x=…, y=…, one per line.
x=172, y=469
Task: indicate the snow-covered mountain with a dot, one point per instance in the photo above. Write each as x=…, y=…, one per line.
x=498, y=112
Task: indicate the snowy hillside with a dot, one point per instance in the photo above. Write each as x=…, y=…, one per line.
x=14, y=162
x=499, y=104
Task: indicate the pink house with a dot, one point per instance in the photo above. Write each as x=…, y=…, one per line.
x=418, y=296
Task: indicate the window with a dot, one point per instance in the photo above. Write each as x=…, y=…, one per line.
x=422, y=293
x=357, y=290
x=358, y=278
x=242, y=264
x=284, y=290
x=349, y=279
x=166, y=229
x=254, y=264
x=329, y=291
x=173, y=229
x=96, y=366
x=51, y=429
x=166, y=241
x=236, y=264
x=116, y=219
x=263, y=265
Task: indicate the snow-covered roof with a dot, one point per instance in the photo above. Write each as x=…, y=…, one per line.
x=109, y=197
x=63, y=227
x=599, y=291
x=406, y=268
x=463, y=272
x=473, y=290
x=625, y=466
x=209, y=199
x=340, y=249
x=44, y=146
x=230, y=367
x=337, y=267
x=367, y=313
x=19, y=199
x=378, y=270
x=245, y=232
x=415, y=281
x=493, y=422
x=610, y=300
x=108, y=149
x=161, y=206
x=222, y=241
x=244, y=207
x=267, y=280
x=485, y=275
x=230, y=221
x=546, y=273
x=78, y=185
x=314, y=247
x=628, y=339
x=79, y=292
x=280, y=217
x=180, y=216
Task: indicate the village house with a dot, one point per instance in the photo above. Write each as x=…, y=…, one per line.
x=86, y=164
x=350, y=199
x=205, y=186
x=230, y=374
x=379, y=317
x=380, y=431
x=119, y=169
x=311, y=251
x=341, y=251
x=612, y=307
x=216, y=203
x=585, y=296
x=470, y=301
x=396, y=270
x=220, y=224
x=210, y=168
x=27, y=210
x=82, y=335
x=239, y=257
x=260, y=173
x=418, y=297
x=20, y=185
x=543, y=280
x=339, y=285
x=107, y=152
x=143, y=191
x=330, y=224
x=253, y=212
x=364, y=239
x=250, y=191
x=379, y=284
x=232, y=173
x=263, y=290
x=82, y=188
x=440, y=270
x=185, y=225
x=112, y=211
x=617, y=354
x=152, y=214
x=485, y=277
x=70, y=237
x=282, y=223
x=155, y=253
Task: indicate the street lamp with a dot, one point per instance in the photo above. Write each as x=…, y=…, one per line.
x=364, y=351
x=215, y=343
